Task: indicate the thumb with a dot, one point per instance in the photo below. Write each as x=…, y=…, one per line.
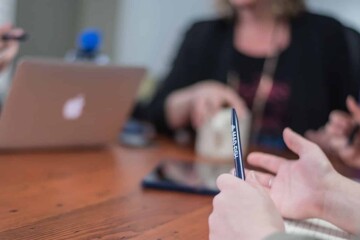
x=295, y=142
x=353, y=108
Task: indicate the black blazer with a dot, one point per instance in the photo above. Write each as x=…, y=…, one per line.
x=317, y=59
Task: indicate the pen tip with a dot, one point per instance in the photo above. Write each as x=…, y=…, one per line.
x=233, y=111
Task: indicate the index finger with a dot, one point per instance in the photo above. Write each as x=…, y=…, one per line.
x=265, y=161
x=227, y=181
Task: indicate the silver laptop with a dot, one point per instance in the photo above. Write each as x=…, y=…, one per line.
x=53, y=104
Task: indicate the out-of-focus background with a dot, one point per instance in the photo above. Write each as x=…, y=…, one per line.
x=136, y=32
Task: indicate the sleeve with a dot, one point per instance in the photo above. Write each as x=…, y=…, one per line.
x=286, y=236
x=338, y=64
x=183, y=73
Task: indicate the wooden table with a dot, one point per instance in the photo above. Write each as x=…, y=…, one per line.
x=95, y=195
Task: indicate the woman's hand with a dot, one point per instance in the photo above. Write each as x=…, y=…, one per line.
x=9, y=48
x=197, y=103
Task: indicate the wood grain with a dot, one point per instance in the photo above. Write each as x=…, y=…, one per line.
x=97, y=195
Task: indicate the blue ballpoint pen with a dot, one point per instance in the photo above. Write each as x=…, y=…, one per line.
x=238, y=156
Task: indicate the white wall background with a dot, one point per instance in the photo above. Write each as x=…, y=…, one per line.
x=149, y=31
x=137, y=32
x=347, y=11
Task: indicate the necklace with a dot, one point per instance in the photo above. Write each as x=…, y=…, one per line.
x=265, y=85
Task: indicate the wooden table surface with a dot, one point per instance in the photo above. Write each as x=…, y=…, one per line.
x=95, y=195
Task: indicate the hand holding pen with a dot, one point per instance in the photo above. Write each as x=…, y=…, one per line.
x=9, y=43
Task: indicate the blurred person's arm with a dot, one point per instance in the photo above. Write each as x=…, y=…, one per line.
x=309, y=187
x=9, y=48
x=182, y=74
x=199, y=102
x=189, y=94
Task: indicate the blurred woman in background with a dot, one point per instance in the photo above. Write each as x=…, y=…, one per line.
x=287, y=66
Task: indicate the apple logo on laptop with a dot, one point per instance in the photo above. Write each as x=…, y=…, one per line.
x=73, y=108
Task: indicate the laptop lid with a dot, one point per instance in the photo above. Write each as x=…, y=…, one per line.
x=55, y=104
